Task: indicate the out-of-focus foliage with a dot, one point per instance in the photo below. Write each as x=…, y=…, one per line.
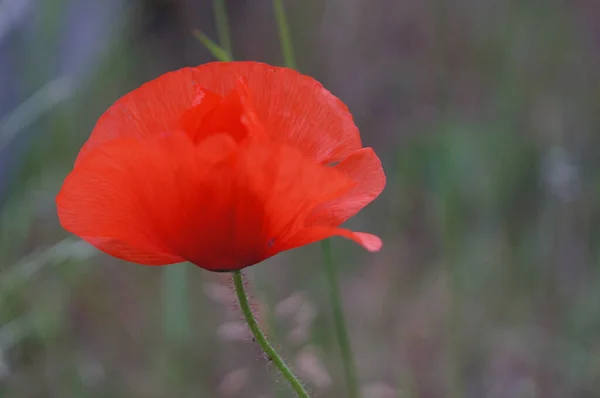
x=486, y=114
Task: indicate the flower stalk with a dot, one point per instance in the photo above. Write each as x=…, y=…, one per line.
x=262, y=340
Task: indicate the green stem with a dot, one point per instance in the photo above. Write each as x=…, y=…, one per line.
x=262, y=340
x=262, y=285
x=222, y=25
x=284, y=35
x=175, y=301
x=339, y=321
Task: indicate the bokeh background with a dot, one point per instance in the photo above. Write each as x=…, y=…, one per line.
x=486, y=114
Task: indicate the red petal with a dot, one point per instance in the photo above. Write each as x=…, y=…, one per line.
x=264, y=195
x=234, y=115
x=218, y=205
x=123, y=251
x=363, y=167
x=154, y=108
x=128, y=196
x=254, y=126
x=313, y=234
x=205, y=105
x=294, y=108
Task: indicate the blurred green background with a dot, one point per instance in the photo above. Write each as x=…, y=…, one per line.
x=486, y=115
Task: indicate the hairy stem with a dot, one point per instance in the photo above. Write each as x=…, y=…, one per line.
x=262, y=340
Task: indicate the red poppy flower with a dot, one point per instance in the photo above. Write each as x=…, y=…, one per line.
x=222, y=165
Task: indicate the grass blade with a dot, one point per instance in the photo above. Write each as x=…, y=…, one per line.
x=216, y=50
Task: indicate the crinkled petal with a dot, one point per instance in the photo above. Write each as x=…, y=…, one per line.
x=294, y=108
x=154, y=108
x=209, y=109
x=220, y=205
x=234, y=115
x=130, y=198
x=267, y=191
x=363, y=167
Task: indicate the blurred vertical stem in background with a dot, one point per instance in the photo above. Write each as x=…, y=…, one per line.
x=222, y=25
x=284, y=35
x=176, y=323
x=175, y=302
x=449, y=232
x=330, y=268
x=339, y=321
x=447, y=208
